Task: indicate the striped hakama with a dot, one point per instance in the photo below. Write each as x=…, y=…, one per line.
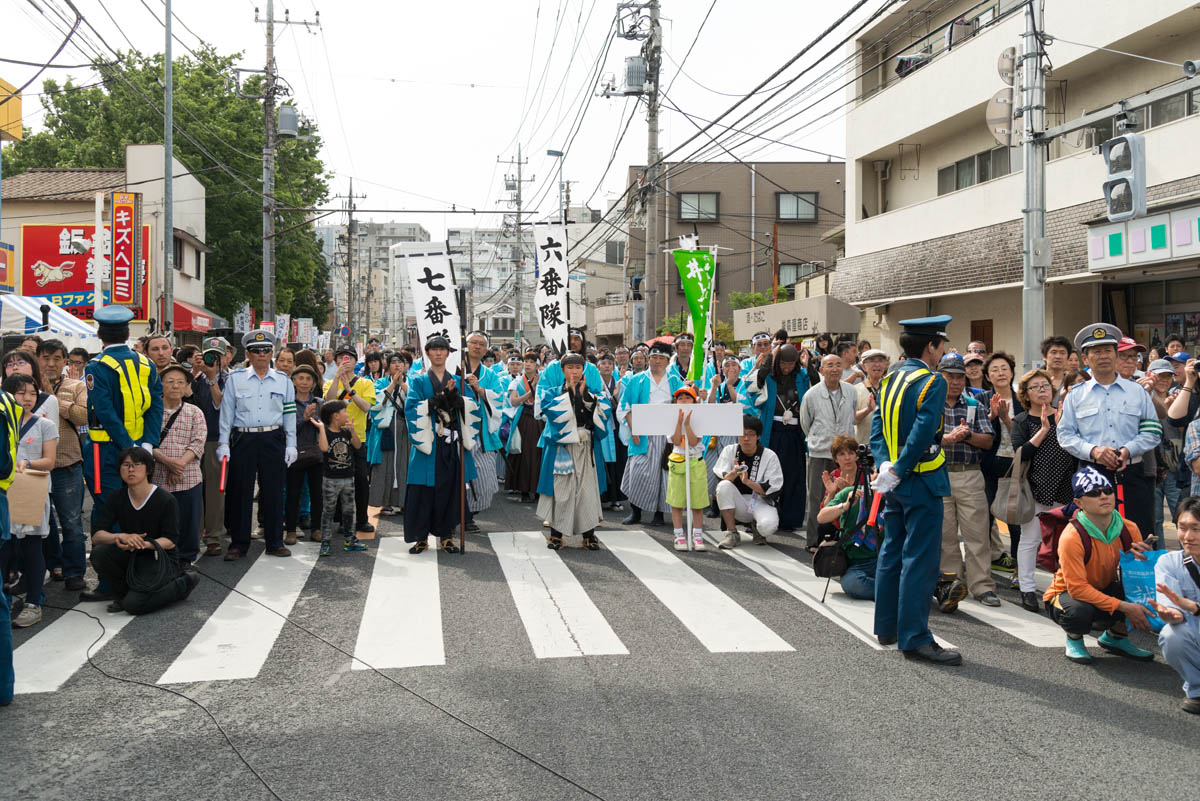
x=645, y=482
x=485, y=485
x=574, y=508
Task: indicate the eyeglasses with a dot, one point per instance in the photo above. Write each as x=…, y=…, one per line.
x=1096, y=493
x=129, y=465
x=976, y=350
x=259, y=351
x=1037, y=387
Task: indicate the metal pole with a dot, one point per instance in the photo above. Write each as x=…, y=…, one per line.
x=98, y=259
x=268, y=243
x=168, y=312
x=350, y=233
x=519, y=251
x=652, y=66
x=1036, y=249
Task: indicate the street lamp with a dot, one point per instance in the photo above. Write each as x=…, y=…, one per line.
x=562, y=213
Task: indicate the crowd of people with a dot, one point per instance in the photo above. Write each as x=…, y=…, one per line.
x=190, y=452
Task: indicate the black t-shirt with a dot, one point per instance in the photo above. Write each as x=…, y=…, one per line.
x=158, y=517
x=339, y=459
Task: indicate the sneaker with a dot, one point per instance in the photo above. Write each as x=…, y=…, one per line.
x=1015, y=584
x=1191, y=705
x=698, y=541
x=759, y=539
x=353, y=545
x=681, y=541
x=1031, y=601
x=324, y=549
x=731, y=541
x=30, y=615
x=1077, y=652
x=1004, y=564
x=1121, y=646
x=949, y=594
x=989, y=599
x=74, y=584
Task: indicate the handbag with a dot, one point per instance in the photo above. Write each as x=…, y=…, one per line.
x=1014, y=498
x=830, y=560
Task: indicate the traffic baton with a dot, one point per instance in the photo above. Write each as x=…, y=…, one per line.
x=1120, y=498
x=224, y=467
x=96, y=465
x=874, y=508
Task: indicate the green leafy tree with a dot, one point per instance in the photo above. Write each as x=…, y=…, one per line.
x=89, y=126
x=748, y=300
x=677, y=324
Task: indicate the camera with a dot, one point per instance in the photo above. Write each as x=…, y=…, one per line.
x=211, y=357
x=864, y=459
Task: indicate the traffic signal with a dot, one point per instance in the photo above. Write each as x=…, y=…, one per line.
x=1125, y=170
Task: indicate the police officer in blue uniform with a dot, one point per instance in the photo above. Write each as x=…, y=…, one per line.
x=905, y=439
x=10, y=418
x=258, y=437
x=125, y=409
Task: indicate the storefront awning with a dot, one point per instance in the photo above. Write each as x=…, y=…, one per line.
x=194, y=318
x=802, y=317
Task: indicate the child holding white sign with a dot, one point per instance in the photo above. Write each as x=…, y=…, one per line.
x=687, y=471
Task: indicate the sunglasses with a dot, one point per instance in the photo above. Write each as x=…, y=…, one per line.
x=1096, y=493
x=259, y=351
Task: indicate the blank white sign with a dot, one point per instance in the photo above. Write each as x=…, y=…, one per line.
x=708, y=419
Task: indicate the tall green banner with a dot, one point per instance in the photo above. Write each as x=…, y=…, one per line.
x=697, y=269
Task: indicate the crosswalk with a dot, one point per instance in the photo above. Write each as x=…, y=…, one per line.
x=559, y=616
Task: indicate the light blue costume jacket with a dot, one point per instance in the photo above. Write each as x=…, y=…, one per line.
x=759, y=399
x=638, y=391
x=422, y=432
x=561, y=429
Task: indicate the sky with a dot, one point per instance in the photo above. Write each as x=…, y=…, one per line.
x=417, y=102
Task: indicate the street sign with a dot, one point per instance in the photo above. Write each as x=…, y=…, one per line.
x=344, y=331
x=999, y=117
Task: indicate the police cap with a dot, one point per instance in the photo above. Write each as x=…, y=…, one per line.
x=112, y=323
x=927, y=326
x=1097, y=334
x=258, y=337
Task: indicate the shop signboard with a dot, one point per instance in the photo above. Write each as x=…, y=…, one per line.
x=52, y=270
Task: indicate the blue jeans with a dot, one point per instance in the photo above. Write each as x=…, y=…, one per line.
x=191, y=518
x=66, y=496
x=859, y=580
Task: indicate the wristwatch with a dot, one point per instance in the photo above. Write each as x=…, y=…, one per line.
x=351, y=393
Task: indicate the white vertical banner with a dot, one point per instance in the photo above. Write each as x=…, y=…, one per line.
x=431, y=279
x=322, y=340
x=241, y=320
x=304, y=332
x=283, y=327
x=551, y=297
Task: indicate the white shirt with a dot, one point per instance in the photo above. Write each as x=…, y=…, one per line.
x=660, y=391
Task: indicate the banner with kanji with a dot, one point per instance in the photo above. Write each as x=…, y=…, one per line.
x=551, y=302
x=52, y=269
x=697, y=269
x=125, y=251
x=431, y=280
x=283, y=327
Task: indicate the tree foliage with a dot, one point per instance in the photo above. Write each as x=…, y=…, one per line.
x=748, y=300
x=89, y=127
x=677, y=324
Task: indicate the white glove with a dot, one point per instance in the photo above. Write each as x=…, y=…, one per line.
x=887, y=480
x=149, y=448
x=289, y=455
x=222, y=452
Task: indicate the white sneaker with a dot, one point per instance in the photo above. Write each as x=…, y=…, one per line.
x=698, y=541
x=681, y=541
x=30, y=615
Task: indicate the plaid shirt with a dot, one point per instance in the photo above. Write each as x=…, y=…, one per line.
x=187, y=434
x=956, y=415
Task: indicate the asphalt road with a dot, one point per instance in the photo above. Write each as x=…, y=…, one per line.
x=818, y=713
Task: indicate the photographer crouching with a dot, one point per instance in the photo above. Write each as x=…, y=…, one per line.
x=840, y=513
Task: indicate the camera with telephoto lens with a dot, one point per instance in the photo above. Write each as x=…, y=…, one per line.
x=211, y=357
x=864, y=459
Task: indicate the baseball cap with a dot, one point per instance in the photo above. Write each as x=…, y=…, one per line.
x=1160, y=366
x=1129, y=343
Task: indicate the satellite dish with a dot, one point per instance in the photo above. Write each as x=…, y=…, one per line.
x=1006, y=64
x=998, y=116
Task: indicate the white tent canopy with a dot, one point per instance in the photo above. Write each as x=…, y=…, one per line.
x=23, y=315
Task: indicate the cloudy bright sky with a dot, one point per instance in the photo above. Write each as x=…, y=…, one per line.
x=416, y=101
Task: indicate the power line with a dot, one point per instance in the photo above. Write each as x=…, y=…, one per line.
x=44, y=67
x=692, y=46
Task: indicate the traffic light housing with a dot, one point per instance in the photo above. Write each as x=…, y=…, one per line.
x=1125, y=170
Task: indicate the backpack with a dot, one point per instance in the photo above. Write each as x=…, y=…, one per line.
x=1054, y=521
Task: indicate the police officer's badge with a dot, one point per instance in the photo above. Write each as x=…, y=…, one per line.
x=259, y=337
x=1099, y=333
x=90, y=380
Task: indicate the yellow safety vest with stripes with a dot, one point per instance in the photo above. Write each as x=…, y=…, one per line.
x=133, y=378
x=891, y=402
x=12, y=421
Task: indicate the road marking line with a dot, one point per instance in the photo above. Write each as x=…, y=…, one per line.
x=54, y=654
x=236, y=640
x=402, y=620
x=719, y=622
x=559, y=617
x=1037, y=630
x=797, y=580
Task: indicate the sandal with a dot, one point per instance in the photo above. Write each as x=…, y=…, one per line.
x=448, y=545
x=419, y=547
x=555, y=543
x=590, y=542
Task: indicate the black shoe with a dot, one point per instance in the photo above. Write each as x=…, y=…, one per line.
x=989, y=599
x=74, y=584
x=658, y=520
x=886, y=639
x=949, y=594
x=365, y=528
x=525, y=498
x=473, y=527
x=95, y=595
x=634, y=517
x=712, y=511
x=192, y=581
x=1191, y=705
x=932, y=652
x=115, y=606
x=1032, y=602
x=304, y=523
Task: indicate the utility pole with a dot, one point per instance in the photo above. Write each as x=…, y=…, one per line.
x=268, y=98
x=168, y=311
x=518, y=249
x=351, y=232
x=1035, y=247
x=653, y=52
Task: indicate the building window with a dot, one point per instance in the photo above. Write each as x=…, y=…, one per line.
x=699, y=205
x=976, y=169
x=177, y=254
x=614, y=252
x=796, y=206
x=946, y=180
x=199, y=258
x=793, y=273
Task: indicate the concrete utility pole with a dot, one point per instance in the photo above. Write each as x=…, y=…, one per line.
x=168, y=311
x=348, y=254
x=518, y=249
x=653, y=54
x=1035, y=246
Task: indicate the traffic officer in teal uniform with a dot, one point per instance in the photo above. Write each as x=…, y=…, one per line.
x=906, y=441
x=258, y=437
x=125, y=408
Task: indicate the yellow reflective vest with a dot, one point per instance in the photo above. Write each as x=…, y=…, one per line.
x=12, y=421
x=133, y=378
x=891, y=402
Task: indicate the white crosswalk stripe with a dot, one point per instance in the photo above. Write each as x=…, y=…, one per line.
x=558, y=614
x=717, y=620
x=236, y=641
x=559, y=617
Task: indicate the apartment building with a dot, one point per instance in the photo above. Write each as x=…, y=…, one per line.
x=934, y=201
x=765, y=218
